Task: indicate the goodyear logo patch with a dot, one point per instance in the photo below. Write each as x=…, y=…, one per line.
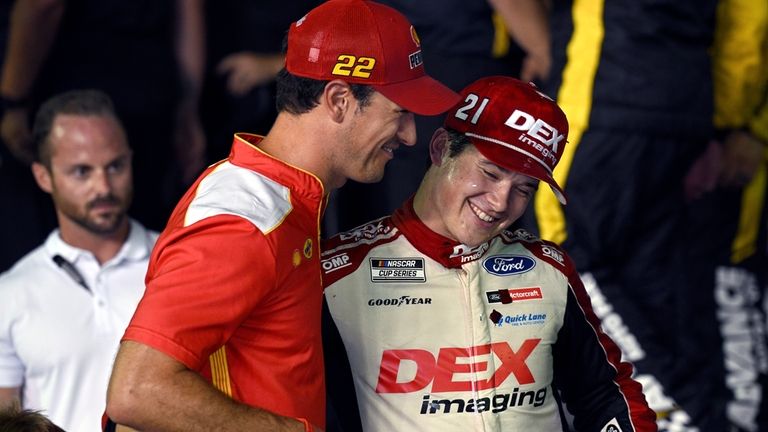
x=397, y=270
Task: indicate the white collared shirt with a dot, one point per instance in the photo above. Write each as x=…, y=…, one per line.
x=58, y=339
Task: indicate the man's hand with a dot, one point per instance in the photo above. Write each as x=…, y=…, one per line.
x=536, y=67
x=247, y=70
x=742, y=155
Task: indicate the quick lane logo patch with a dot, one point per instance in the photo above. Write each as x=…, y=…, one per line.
x=520, y=319
x=506, y=296
x=397, y=270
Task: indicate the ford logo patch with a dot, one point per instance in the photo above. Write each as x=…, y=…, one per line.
x=503, y=265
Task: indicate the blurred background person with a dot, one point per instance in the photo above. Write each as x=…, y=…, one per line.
x=147, y=55
x=242, y=62
x=727, y=218
x=65, y=305
x=14, y=419
x=635, y=79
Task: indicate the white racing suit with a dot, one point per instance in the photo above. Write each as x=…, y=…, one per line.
x=442, y=337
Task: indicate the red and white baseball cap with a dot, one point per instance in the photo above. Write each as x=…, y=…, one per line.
x=364, y=42
x=514, y=125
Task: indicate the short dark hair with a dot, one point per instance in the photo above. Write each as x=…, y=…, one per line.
x=299, y=95
x=14, y=419
x=457, y=142
x=77, y=102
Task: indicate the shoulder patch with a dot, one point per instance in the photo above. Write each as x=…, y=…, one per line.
x=543, y=249
x=232, y=190
x=345, y=252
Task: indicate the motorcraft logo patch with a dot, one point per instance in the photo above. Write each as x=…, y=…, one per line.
x=397, y=270
x=505, y=265
x=506, y=296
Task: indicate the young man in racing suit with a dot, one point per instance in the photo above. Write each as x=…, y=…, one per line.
x=452, y=323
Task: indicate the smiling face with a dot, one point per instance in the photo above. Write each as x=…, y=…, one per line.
x=372, y=136
x=89, y=174
x=467, y=197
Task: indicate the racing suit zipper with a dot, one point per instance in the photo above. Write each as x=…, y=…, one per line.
x=469, y=337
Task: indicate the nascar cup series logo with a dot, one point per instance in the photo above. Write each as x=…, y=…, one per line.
x=397, y=270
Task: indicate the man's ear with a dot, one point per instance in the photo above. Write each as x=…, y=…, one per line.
x=337, y=100
x=438, y=146
x=42, y=176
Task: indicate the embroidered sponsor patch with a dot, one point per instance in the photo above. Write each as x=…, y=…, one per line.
x=520, y=319
x=611, y=426
x=553, y=253
x=335, y=262
x=509, y=295
x=397, y=270
x=505, y=265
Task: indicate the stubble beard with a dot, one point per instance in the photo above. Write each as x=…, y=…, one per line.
x=101, y=225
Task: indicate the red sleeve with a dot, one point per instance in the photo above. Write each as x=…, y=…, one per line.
x=203, y=281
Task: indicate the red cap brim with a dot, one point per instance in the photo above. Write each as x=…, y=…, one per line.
x=522, y=163
x=423, y=95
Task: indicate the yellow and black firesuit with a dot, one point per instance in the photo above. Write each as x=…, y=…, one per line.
x=641, y=82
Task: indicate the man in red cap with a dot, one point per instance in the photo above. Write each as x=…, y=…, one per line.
x=452, y=323
x=227, y=336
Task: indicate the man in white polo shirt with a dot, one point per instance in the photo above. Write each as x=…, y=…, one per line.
x=64, y=306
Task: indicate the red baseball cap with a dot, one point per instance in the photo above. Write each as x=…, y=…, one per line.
x=364, y=42
x=514, y=125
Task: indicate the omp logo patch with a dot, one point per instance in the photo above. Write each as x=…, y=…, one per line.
x=505, y=265
x=507, y=296
x=335, y=262
x=553, y=253
x=397, y=270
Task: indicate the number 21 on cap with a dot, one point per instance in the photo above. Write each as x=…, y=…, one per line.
x=471, y=101
x=350, y=65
